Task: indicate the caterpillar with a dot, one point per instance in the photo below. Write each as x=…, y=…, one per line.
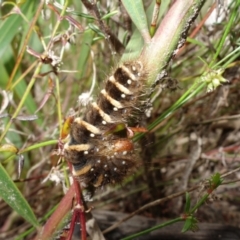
x=100, y=155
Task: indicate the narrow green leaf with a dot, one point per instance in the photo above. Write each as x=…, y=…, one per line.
x=224, y=37
x=84, y=15
x=19, y=90
x=137, y=14
x=134, y=236
x=85, y=51
x=12, y=24
x=133, y=48
x=187, y=225
x=29, y=102
x=136, y=43
x=96, y=29
x=4, y=75
x=13, y=197
x=191, y=92
x=108, y=15
x=216, y=180
x=196, y=42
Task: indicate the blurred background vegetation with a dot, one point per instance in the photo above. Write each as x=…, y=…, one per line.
x=184, y=147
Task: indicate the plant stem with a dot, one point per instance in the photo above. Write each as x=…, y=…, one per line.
x=199, y=203
x=29, y=87
x=38, y=145
x=19, y=58
x=179, y=219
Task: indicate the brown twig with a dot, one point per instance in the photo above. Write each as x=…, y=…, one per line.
x=151, y=204
x=114, y=41
x=158, y=201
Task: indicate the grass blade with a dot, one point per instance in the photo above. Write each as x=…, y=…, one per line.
x=13, y=197
x=137, y=13
x=12, y=24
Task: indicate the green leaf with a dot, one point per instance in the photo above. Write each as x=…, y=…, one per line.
x=190, y=93
x=133, y=48
x=136, y=43
x=84, y=50
x=29, y=102
x=4, y=75
x=108, y=15
x=188, y=203
x=134, y=236
x=84, y=15
x=187, y=225
x=13, y=197
x=12, y=24
x=137, y=14
x=96, y=29
x=190, y=224
x=216, y=180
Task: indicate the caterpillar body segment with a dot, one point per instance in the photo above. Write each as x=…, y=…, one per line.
x=100, y=158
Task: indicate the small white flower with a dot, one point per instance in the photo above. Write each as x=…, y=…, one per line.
x=56, y=60
x=56, y=176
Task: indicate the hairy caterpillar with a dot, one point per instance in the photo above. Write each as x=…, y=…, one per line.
x=99, y=157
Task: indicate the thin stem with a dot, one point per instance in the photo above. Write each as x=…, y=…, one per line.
x=154, y=203
x=225, y=34
x=19, y=59
x=155, y=17
x=38, y=145
x=53, y=222
x=199, y=203
x=23, y=75
x=57, y=24
x=29, y=87
x=79, y=209
x=72, y=225
x=59, y=110
x=114, y=41
x=198, y=28
x=179, y=219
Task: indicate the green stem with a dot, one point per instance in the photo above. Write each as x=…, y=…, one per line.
x=179, y=219
x=189, y=94
x=58, y=22
x=225, y=34
x=59, y=110
x=38, y=145
x=23, y=75
x=199, y=203
x=170, y=36
x=20, y=56
x=29, y=87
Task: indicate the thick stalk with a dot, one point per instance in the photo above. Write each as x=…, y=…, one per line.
x=170, y=36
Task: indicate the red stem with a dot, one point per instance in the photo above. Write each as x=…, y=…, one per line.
x=78, y=210
x=63, y=208
x=72, y=225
